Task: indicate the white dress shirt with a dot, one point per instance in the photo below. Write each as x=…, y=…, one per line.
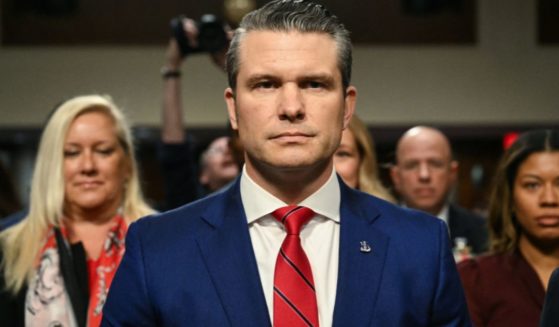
x=443, y=214
x=320, y=239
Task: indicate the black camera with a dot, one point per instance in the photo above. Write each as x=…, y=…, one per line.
x=211, y=35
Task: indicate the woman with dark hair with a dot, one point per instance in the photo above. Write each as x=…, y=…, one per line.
x=507, y=286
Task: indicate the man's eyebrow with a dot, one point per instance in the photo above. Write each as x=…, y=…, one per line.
x=259, y=77
x=321, y=77
x=325, y=78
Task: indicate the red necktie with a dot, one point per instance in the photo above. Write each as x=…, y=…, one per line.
x=294, y=294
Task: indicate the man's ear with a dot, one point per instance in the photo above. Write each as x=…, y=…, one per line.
x=349, y=104
x=231, y=107
x=453, y=170
x=204, y=178
x=395, y=176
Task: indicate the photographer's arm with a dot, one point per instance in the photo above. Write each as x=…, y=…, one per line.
x=172, y=130
x=178, y=166
x=178, y=169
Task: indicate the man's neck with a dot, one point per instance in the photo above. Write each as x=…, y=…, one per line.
x=291, y=185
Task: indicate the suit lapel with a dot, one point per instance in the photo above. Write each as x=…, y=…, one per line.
x=227, y=251
x=359, y=272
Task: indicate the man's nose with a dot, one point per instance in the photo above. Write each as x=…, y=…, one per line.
x=424, y=172
x=291, y=104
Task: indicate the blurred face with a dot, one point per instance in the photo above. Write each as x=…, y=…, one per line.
x=219, y=166
x=95, y=165
x=424, y=172
x=347, y=159
x=536, y=196
x=289, y=106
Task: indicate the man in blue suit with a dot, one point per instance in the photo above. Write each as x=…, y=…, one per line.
x=212, y=262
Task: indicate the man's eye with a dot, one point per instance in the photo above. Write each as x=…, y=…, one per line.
x=410, y=166
x=264, y=85
x=314, y=85
x=436, y=164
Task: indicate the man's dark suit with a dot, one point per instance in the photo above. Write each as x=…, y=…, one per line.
x=463, y=223
x=195, y=266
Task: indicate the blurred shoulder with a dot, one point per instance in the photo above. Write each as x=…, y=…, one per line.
x=487, y=267
x=183, y=218
x=392, y=215
x=488, y=261
x=465, y=215
x=192, y=208
x=13, y=219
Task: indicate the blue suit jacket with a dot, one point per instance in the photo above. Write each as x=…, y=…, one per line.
x=195, y=266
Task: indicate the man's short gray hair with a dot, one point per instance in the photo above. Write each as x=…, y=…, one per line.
x=292, y=15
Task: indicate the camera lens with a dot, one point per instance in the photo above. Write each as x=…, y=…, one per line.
x=211, y=36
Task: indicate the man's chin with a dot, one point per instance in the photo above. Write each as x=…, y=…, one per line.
x=290, y=166
x=291, y=161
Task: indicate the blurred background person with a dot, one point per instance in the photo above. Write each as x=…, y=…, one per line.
x=507, y=287
x=9, y=200
x=355, y=160
x=424, y=174
x=217, y=164
x=58, y=263
x=185, y=180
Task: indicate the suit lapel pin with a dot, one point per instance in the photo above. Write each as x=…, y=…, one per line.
x=365, y=248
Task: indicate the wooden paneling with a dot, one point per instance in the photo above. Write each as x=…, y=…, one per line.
x=134, y=22
x=548, y=22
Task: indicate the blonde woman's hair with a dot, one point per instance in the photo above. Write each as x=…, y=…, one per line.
x=369, y=180
x=504, y=229
x=22, y=243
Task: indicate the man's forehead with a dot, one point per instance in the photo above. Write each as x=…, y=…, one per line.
x=262, y=52
x=423, y=152
x=270, y=39
x=423, y=140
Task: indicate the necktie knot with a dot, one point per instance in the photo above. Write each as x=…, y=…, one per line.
x=293, y=217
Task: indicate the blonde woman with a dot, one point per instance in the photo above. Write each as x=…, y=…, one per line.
x=58, y=263
x=356, y=161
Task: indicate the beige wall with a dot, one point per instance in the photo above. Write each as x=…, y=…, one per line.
x=505, y=78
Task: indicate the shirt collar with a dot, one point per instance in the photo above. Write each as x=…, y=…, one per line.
x=443, y=214
x=258, y=202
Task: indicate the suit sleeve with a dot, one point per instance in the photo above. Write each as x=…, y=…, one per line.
x=128, y=303
x=449, y=307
